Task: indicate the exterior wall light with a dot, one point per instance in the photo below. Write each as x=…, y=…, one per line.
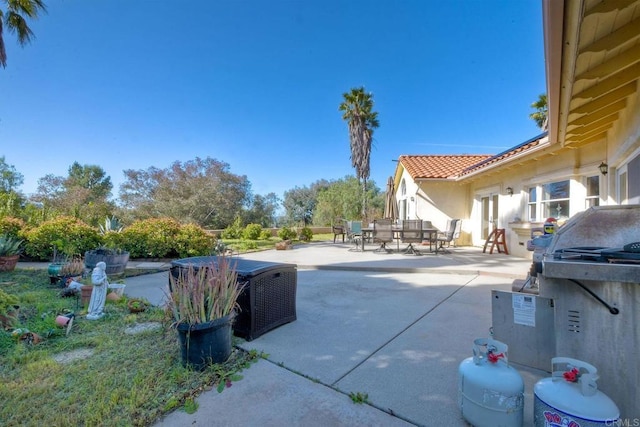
x=604, y=168
x=510, y=191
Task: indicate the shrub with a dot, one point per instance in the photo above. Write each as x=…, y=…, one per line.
x=249, y=245
x=305, y=234
x=265, y=234
x=11, y=226
x=113, y=240
x=285, y=233
x=153, y=238
x=193, y=240
x=234, y=231
x=67, y=235
x=252, y=232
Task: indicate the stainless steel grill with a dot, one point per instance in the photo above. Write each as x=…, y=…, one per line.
x=591, y=270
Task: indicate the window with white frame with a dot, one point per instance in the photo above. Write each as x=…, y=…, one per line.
x=555, y=199
x=549, y=200
x=593, y=191
x=533, y=205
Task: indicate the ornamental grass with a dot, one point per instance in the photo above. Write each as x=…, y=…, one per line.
x=205, y=293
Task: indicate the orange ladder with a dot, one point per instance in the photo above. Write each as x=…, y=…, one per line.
x=497, y=238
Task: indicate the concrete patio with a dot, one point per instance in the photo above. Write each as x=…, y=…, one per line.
x=390, y=326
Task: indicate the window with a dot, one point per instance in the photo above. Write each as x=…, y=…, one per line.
x=593, y=191
x=549, y=200
x=532, y=206
x=555, y=199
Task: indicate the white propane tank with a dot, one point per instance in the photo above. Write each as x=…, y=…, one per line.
x=490, y=392
x=571, y=397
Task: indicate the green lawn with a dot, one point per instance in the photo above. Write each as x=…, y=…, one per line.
x=127, y=379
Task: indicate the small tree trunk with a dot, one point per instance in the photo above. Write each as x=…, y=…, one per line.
x=364, y=199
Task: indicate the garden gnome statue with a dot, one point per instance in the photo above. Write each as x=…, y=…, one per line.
x=99, y=293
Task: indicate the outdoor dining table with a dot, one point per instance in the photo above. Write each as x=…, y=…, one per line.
x=431, y=232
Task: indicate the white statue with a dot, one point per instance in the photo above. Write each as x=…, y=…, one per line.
x=99, y=292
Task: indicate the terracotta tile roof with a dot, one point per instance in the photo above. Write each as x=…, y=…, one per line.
x=525, y=146
x=457, y=166
x=439, y=166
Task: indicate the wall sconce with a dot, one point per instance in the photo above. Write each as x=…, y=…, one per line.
x=604, y=168
x=510, y=191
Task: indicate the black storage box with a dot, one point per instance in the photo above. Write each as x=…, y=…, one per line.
x=268, y=299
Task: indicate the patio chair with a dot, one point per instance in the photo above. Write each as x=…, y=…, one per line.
x=383, y=234
x=354, y=234
x=338, y=230
x=448, y=235
x=411, y=233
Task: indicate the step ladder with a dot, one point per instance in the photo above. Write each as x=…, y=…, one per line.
x=498, y=241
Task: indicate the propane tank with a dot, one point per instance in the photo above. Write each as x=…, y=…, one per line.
x=550, y=225
x=490, y=392
x=571, y=397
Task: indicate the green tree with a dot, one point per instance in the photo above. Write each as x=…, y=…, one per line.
x=10, y=178
x=357, y=110
x=14, y=19
x=541, y=114
x=11, y=200
x=341, y=200
x=83, y=194
x=200, y=191
x=262, y=210
x=92, y=178
x=300, y=202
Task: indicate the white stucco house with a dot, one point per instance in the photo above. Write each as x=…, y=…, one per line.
x=589, y=156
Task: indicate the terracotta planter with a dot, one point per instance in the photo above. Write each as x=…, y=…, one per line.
x=85, y=293
x=284, y=245
x=8, y=263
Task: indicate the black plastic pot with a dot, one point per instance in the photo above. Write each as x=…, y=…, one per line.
x=203, y=344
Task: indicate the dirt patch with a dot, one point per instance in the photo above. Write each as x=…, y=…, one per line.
x=72, y=356
x=139, y=328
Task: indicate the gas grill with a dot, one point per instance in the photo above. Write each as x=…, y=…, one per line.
x=599, y=254
x=588, y=284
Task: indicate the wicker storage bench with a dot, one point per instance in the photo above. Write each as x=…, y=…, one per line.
x=269, y=296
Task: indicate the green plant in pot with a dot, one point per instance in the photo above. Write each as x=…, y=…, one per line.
x=10, y=250
x=203, y=301
x=111, y=252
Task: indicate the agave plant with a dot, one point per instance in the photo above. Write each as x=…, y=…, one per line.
x=203, y=294
x=10, y=245
x=111, y=225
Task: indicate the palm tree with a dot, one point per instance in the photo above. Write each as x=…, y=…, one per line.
x=540, y=116
x=358, y=111
x=14, y=20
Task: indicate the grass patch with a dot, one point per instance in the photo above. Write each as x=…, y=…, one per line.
x=127, y=379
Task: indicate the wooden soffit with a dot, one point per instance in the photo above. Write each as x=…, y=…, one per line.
x=604, y=73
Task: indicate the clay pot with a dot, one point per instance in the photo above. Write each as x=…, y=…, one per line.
x=63, y=320
x=85, y=292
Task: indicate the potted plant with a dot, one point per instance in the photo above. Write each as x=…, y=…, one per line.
x=10, y=250
x=136, y=305
x=65, y=269
x=115, y=258
x=111, y=254
x=202, y=301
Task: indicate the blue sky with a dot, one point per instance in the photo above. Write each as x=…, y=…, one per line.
x=130, y=84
